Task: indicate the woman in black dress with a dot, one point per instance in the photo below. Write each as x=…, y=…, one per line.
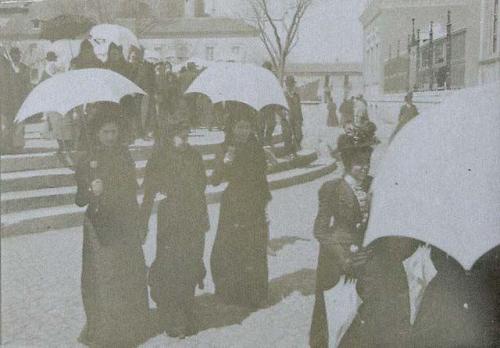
x=345, y=200
x=239, y=258
x=114, y=289
x=176, y=170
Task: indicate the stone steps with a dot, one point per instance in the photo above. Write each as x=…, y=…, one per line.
x=60, y=216
x=36, y=194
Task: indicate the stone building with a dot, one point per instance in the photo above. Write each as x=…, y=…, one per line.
x=426, y=46
x=489, y=56
x=343, y=80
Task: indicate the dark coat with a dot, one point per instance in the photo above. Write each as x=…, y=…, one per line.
x=295, y=108
x=182, y=178
x=459, y=308
x=347, y=111
x=239, y=255
x=337, y=200
x=332, y=120
x=115, y=213
x=17, y=89
x=182, y=223
x=406, y=114
x=114, y=288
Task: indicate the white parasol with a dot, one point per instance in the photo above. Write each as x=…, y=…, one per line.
x=439, y=181
x=65, y=91
x=244, y=83
x=102, y=35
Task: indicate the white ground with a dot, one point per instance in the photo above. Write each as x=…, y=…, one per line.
x=41, y=302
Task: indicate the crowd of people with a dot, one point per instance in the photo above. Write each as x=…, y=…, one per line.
x=114, y=275
x=144, y=116
x=115, y=279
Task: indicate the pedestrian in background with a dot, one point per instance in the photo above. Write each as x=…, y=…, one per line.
x=347, y=111
x=406, y=114
x=16, y=87
x=331, y=120
x=295, y=117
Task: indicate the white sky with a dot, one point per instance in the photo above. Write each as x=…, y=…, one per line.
x=331, y=29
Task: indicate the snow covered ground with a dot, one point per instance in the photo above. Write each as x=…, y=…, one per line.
x=41, y=283
x=41, y=302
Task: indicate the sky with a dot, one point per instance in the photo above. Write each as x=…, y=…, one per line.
x=330, y=30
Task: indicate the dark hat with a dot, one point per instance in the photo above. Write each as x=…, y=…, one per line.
x=351, y=153
x=409, y=96
x=290, y=80
x=107, y=112
x=51, y=56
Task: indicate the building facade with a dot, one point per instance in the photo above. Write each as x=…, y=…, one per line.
x=342, y=80
x=426, y=46
x=489, y=61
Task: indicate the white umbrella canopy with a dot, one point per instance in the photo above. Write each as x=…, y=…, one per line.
x=439, y=181
x=244, y=83
x=65, y=91
x=102, y=35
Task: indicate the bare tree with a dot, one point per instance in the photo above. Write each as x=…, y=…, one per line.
x=278, y=32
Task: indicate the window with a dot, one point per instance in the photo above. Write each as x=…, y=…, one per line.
x=209, y=53
x=495, y=27
x=36, y=24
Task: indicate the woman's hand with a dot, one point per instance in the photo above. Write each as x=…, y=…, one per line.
x=97, y=187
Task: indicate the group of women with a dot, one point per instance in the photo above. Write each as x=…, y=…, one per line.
x=115, y=278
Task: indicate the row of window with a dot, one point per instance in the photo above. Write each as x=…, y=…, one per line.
x=209, y=51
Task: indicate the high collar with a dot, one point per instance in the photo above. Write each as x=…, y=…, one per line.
x=352, y=182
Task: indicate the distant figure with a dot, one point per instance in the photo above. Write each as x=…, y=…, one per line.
x=347, y=111
x=60, y=126
x=176, y=170
x=332, y=120
x=86, y=59
x=266, y=125
x=406, y=114
x=17, y=86
x=295, y=117
x=239, y=256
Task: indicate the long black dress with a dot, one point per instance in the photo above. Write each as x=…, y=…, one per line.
x=114, y=289
x=459, y=308
x=182, y=223
x=239, y=255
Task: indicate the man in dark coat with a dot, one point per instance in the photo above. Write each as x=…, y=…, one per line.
x=16, y=90
x=347, y=111
x=176, y=170
x=295, y=117
x=186, y=78
x=406, y=114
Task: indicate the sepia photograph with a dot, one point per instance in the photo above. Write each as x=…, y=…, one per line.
x=250, y=173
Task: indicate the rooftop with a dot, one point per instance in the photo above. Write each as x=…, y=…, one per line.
x=323, y=68
x=193, y=27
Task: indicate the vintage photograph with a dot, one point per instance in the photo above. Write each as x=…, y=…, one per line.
x=250, y=173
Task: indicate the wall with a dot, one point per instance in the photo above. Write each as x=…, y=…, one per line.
x=250, y=49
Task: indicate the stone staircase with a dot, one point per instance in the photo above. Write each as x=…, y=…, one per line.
x=37, y=191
